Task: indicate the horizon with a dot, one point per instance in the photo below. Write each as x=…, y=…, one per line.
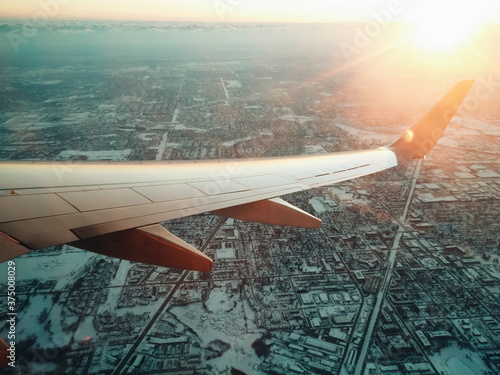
x=252, y=11
x=406, y=22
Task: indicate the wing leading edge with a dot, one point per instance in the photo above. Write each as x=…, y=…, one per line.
x=113, y=207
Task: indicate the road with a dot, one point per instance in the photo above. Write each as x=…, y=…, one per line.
x=387, y=277
x=119, y=369
x=162, y=146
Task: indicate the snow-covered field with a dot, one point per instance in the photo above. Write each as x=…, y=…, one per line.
x=58, y=265
x=317, y=205
x=226, y=318
x=379, y=137
x=300, y=119
x=453, y=360
x=95, y=155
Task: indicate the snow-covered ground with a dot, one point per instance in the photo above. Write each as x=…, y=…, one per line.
x=146, y=136
x=453, y=360
x=61, y=266
x=227, y=319
x=317, y=205
x=232, y=83
x=428, y=197
x=492, y=265
x=236, y=141
x=473, y=126
x=300, y=119
x=379, y=137
x=314, y=149
x=486, y=173
x=467, y=127
x=96, y=155
x=464, y=175
x=121, y=274
x=344, y=193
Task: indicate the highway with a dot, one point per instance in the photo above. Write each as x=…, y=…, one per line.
x=119, y=369
x=387, y=277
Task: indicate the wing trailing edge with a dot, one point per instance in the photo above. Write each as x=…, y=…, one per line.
x=423, y=136
x=271, y=211
x=4, y=354
x=151, y=244
x=10, y=248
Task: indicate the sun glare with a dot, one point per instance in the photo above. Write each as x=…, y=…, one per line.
x=445, y=25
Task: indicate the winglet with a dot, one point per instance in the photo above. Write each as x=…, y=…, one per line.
x=423, y=136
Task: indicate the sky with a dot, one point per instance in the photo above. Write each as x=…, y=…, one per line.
x=244, y=10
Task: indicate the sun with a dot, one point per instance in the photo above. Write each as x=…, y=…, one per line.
x=445, y=25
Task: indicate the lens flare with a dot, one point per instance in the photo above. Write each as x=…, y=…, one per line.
x=446, y=25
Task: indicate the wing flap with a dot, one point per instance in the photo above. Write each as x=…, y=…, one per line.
x=181, y=209
x=22, y=207
x=271, y=211
x=102, y=199
x=256, y=182
x=164, y=193
x=10, y=248
x=218, y=187
x=152, y=245
x=4, y=360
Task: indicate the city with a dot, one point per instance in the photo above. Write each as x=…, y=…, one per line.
x=402, y=277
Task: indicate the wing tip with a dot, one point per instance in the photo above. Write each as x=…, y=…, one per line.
x=421, y=138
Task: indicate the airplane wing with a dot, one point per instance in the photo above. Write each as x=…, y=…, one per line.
x=4, y=354
x=114, y=208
